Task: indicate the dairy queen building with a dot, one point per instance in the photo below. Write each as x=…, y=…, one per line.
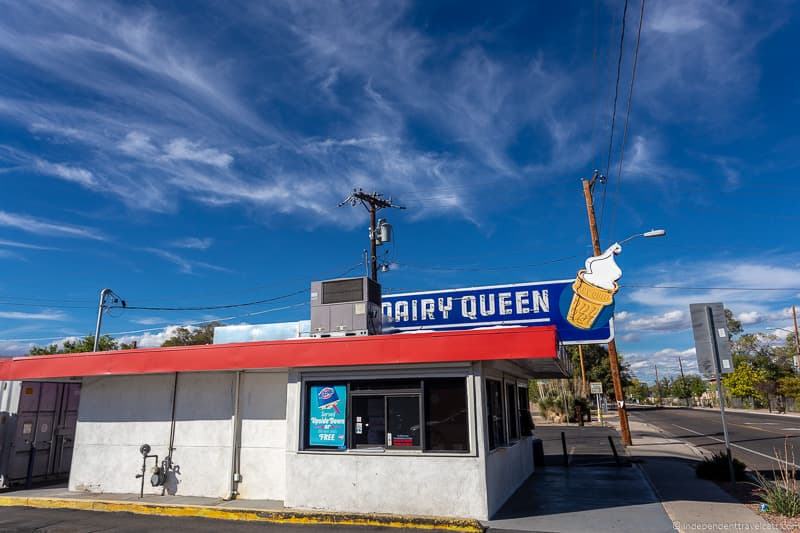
x=410, y=403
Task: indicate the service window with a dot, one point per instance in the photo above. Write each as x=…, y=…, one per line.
x=511, y=411
x=427, y=415
x=369, y=421
x=525, y=419
x=494, y=412
x=446, y=422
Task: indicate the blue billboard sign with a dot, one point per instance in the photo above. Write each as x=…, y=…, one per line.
x=581, y=316
x=327, y=415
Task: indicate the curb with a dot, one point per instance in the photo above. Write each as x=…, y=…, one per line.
x=250, y=515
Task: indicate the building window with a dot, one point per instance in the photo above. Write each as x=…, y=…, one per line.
x=446, y=415
x=494, y=413
x=525, y=419
x=429, y=415
x=511, y=411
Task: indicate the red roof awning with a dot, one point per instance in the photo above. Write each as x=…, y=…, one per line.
x=534, y=344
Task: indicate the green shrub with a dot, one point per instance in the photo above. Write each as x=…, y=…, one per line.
x=715, y=468
x=782, y=495
x=781, y=498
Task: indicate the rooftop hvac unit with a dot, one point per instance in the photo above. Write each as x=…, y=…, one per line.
x=345, y=307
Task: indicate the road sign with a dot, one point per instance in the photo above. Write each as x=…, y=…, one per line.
x=709, y=326
x=712, y=343
x=523, y=304
x=596, y=387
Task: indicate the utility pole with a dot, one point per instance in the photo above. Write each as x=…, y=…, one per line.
x=101, y=308
x=796, y=340
x=613, y=358
x=584, y=388
x=373, y=202
x=658, y=387
x=683, y=382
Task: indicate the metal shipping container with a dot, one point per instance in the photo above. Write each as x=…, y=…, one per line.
x=37, y=435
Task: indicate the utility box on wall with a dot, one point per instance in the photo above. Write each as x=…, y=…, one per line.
x=345, y=307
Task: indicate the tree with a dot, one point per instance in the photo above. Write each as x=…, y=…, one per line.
x=638, y=390
x=184, y=336
x=696, y=385
x=744, y=382
x=734, y=326
x=789, y=387
x=86, y=344
x=595, y=359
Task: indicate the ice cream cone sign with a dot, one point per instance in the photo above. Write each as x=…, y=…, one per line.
x=594, y=288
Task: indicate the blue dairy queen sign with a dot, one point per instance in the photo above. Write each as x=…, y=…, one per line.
x=522, y=304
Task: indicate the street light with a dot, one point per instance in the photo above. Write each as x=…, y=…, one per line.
x=796, y=358
x=646, y=234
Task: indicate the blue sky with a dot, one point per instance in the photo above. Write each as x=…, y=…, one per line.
x=186, y=156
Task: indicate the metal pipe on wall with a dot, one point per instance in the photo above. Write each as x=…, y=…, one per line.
x=171, y=444
x=235, y=476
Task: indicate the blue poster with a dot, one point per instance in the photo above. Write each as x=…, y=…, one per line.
x=583, y=314
x=327, y=415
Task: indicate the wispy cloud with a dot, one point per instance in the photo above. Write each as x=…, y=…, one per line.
x=186, y=266
x=161, y=114
x=25, y=245
x=40, y=226
x=186, y=150
x=674, y=320
x=68, y=173
x=42, y=315
x=193, y=243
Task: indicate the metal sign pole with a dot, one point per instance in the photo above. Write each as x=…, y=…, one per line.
x=715, y=349
x=599, y=412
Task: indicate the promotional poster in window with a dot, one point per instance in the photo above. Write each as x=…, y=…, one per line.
x=328, y=414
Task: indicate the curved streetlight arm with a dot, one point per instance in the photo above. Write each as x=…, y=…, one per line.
x=646, y=234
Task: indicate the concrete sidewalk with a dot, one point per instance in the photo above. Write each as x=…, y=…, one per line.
x=595, y=493
x=691, y=503
x=656, y=489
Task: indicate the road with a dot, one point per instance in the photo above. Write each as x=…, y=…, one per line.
x=754, y=437
x=23, y=519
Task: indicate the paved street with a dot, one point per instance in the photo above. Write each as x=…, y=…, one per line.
x=754, y=437
x=22, y=519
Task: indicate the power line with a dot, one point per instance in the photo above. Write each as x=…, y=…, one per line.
x=166, y=325
x=490, y=269
x=627, y=118
x=46, y=305
x=215, y=307
x=614, y=108
x=678, y=287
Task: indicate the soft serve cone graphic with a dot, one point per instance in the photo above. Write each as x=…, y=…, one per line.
x=594, y=288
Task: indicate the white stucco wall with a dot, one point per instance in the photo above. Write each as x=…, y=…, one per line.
x=203, y=433
x=389, y=482
x=120, y=413
x=117, y=414
x=263, y=435
x=506, y=469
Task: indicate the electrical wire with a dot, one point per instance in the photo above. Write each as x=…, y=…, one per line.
x=627, y=118
x=166, y=325
x=490, y=269
x=614, y=111
x=211, y=307
x=678, y=287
